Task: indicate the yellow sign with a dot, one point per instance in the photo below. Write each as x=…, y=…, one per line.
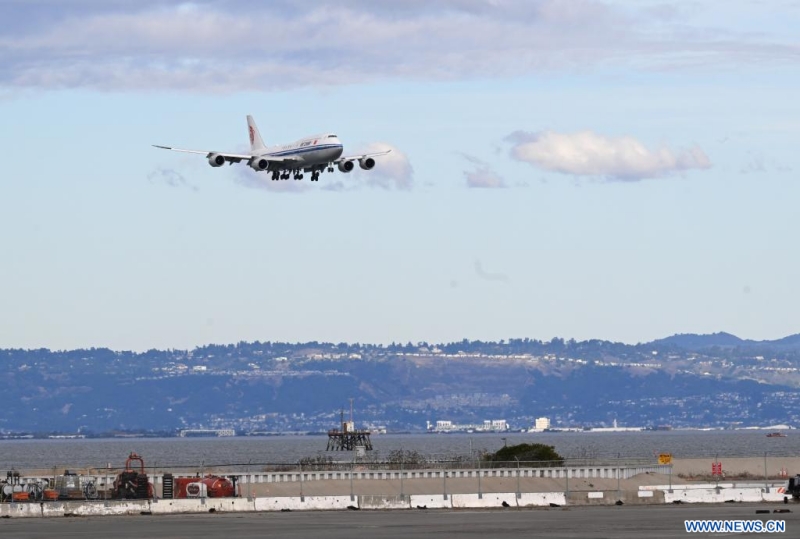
x=665, y=458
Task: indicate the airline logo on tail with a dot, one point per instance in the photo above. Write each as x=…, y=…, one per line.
x=252, y=135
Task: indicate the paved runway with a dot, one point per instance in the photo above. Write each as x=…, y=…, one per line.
x=574, y=522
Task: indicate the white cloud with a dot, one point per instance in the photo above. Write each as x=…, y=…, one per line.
x=588, y=154
x=392, y=171
x=234, y=45
x=483, y=176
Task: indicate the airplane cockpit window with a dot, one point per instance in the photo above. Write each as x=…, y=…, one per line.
x=331, y=136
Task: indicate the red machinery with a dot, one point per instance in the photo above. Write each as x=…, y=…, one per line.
x=130, y=484
x=211, y=486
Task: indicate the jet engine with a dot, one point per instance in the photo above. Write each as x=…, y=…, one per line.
x=216, y=160
x=346, y=166
x=366, y=163
x=259, y=164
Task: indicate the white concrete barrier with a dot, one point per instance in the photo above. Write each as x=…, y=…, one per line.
x=713, y=495
x=198, y=505
x=775, y=495
x=431, y=501
x=384, y=502
x=296, y=503
x=730, y=484
x=59, y=509
x=493, y=499
x=541, y=499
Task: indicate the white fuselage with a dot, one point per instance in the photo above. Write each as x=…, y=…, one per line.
x=311, y=152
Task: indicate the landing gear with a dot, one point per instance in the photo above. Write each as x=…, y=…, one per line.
x=315, y=176
x=298, y=175
x=274, y=175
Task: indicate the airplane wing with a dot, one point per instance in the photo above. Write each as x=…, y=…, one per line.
x=362, y=156
x=232, y=157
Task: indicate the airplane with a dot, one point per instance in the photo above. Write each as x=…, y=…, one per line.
x=311, y=154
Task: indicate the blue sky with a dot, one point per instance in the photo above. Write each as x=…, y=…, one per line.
x=585, y=169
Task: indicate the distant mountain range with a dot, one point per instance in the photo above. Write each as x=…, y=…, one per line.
x=693, y=341
x=716, y=380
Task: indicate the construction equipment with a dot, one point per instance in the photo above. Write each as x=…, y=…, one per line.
x=793, y=489
x=210, y=486
x=131, y=484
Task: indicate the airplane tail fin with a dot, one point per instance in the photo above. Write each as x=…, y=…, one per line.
x=256, y=143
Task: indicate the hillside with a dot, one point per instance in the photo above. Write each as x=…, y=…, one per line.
x=685, y=380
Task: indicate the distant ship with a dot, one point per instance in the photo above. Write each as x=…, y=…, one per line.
x=776, y=435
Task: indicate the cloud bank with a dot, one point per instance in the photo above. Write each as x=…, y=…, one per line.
x=392, y=171
x=586, y=153
x=483, y=176
x=210, y=46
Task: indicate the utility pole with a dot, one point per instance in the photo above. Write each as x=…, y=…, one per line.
x=352, y=465
x=480, y=494
x=249, y=482
x=401, y=477
x=301, y=481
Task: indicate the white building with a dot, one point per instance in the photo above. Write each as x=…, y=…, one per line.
x=542, y=423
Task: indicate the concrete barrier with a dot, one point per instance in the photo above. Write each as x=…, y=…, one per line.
x=529, y=499
x=60, y=509
x=713, y=495
x=297, y=503
x=384, y=502
x=431, y=501
x=488, y=500
x=696, y=493
x=198, y=505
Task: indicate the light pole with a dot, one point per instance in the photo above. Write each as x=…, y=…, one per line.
x=401, y=478
x=202, y=488
x=480, y=494
x=670, y=477
x=352, y=465
x=519, y=492
x=249, y=482
x=301, y=481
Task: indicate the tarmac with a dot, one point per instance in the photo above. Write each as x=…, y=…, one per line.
x=563, y=522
